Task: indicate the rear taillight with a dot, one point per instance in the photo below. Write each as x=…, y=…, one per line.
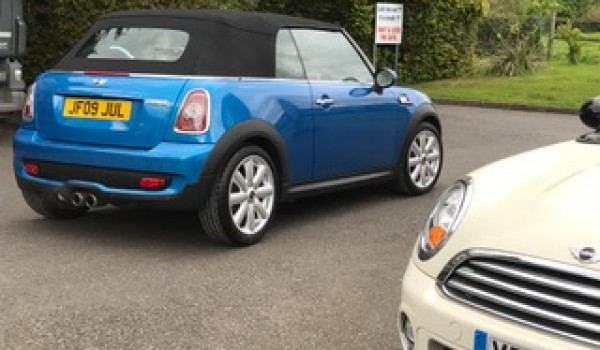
x=194, y=114
x=152, y=183
x=28, y=111
x=31, y=168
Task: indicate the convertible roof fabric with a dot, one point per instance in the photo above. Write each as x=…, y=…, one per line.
x=222, y=43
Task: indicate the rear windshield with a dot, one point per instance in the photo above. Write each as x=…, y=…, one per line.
x=136, y=44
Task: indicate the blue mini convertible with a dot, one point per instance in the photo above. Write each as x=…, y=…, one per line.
x=223, y=112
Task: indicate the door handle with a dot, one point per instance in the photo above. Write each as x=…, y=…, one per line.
x=325, y=101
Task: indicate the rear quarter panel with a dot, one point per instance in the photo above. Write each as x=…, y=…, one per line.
x=284, y=104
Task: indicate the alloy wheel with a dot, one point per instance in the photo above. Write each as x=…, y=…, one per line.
x=424, y=159
x=251, y=194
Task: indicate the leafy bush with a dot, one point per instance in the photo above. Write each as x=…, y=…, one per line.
x=572, y=36
x=575, y=8
x=439, y=35
x=518, y=54
x=492, y=30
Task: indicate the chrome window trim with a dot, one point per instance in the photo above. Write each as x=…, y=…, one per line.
x=190, y=77
x=485, y=253
x=362, y=55
x=209, y=77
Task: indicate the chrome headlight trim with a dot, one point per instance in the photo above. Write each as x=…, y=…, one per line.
x=425, y=252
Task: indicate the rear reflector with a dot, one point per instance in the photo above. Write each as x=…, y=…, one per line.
x=31, y=168
x=106, y=72
x=152, y=183
x=194, y=113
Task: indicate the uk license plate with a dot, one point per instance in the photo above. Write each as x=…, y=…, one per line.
x=97, y=109
x=485, y=341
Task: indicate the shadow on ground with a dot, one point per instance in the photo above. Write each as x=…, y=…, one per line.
x=180, y=230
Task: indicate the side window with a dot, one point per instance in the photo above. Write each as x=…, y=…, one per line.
x=287, y=60
x=329, y=55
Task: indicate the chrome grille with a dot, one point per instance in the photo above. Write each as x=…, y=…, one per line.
x=558, y=298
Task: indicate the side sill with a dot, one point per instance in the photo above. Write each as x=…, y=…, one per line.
x=320, y=187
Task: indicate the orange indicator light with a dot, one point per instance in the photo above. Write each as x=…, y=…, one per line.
x=436, y=236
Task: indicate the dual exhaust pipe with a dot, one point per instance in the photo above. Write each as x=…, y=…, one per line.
x=80, y=199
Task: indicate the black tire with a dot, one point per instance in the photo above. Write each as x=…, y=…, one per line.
x=49, y=206
x=404, y=184
x=216, y=215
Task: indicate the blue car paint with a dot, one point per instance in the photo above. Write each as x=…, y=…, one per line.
x=285, y=105
x=358, y=132
x=139, y=132
x=361, y=131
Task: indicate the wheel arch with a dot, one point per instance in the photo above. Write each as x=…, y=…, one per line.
x=424, y=113
x=253, y=131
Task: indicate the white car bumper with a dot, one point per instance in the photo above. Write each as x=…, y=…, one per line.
x=439, y=323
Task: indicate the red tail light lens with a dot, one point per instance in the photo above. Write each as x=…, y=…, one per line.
x=193, y=116
x=28, y=111
x=31, y=168
x=152, y=183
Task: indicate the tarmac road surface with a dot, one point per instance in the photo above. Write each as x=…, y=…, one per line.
x=327, y=276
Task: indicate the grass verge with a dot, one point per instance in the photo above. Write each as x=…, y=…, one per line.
x=556, y=84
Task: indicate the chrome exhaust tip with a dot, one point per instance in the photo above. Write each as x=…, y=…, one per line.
x=91, y=201
x=77, y=199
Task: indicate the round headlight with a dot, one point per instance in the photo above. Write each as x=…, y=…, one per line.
x=444, y=218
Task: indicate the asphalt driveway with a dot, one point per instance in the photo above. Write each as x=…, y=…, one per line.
x=327, y=276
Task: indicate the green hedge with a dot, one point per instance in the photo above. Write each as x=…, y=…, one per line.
x=55, y=25
x=439, y=36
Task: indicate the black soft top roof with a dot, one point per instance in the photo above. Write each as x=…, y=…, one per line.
x=260, y=22
x=222, y=43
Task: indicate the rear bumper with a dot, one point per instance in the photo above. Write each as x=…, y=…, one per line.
x=183, y=163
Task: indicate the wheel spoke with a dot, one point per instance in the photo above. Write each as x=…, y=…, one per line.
x=237, y=198
x=431, y=170
x=251, y=218
x=414, y=148
x=413, y=161
x=261, y=210
x=240, y=182
x=430, y=143
x=433, y=157
x=240, y=214
x=415, y=174
x=422, y=142
x=249, y=168
x=423, y=180
x=264, y=192
x=260, y=174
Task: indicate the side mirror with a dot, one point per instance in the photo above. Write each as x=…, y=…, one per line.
x=590, y=113
x=385, y=78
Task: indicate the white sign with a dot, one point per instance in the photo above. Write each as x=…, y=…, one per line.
x=388, y=24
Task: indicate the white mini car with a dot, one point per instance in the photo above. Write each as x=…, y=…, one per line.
x=510, y=256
